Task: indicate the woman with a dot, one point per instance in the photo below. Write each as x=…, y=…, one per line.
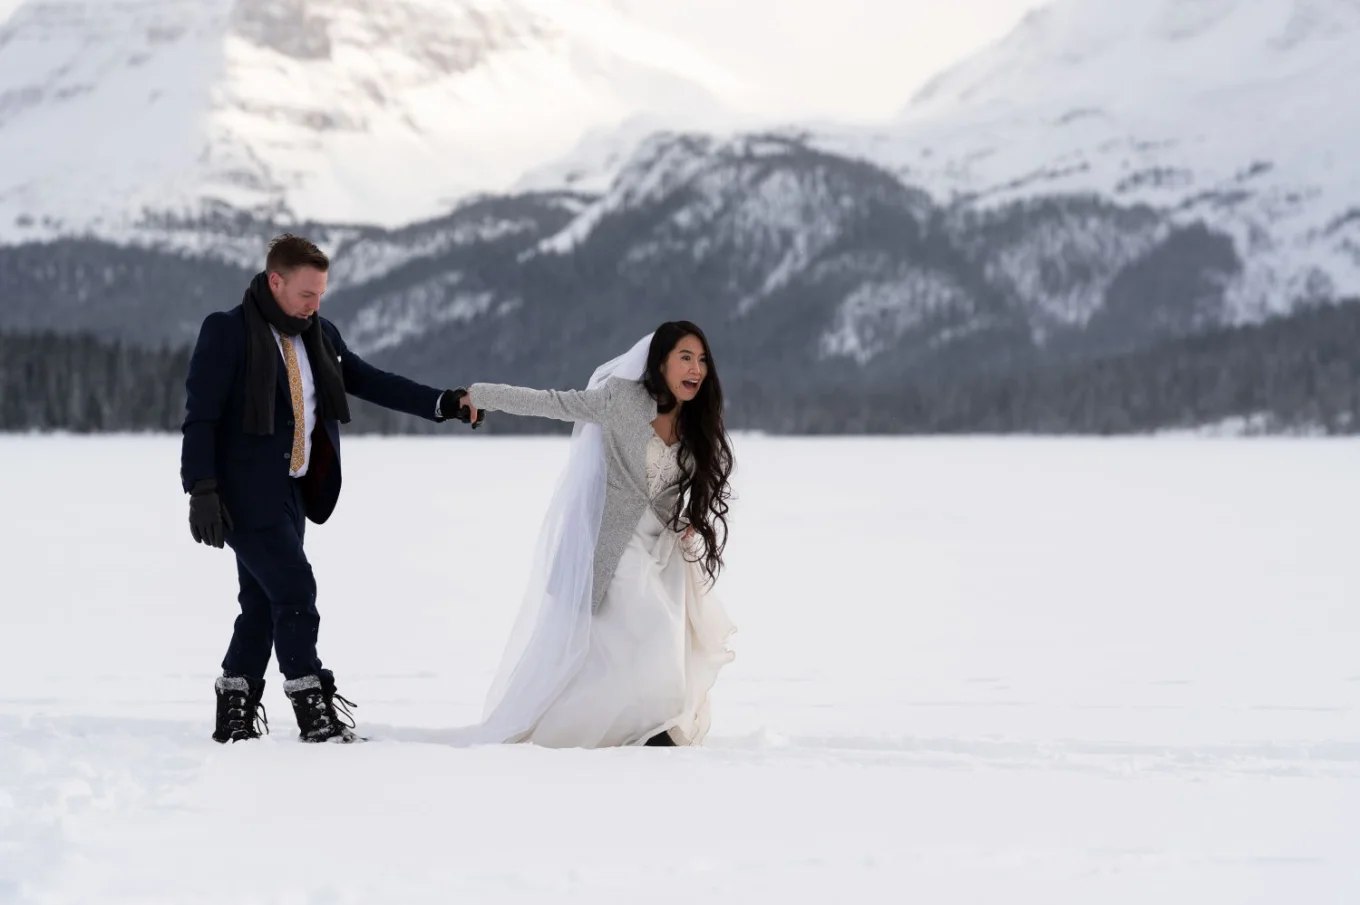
x=619, y=642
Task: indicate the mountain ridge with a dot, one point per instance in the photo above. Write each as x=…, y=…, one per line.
x=1227, y=118
x=980, y=242
x=328, y=110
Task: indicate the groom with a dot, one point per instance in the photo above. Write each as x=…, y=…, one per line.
x=267, y=389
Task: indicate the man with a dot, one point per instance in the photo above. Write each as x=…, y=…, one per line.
x=267, y=389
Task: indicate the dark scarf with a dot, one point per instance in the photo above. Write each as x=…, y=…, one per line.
x=262, y=359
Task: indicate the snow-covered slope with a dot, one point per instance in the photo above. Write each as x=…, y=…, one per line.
x=603, y=154
x=1108, y=179
x=1226, y=111
x=333, y=110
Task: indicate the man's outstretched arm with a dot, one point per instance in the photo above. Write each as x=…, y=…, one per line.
x=391, y=391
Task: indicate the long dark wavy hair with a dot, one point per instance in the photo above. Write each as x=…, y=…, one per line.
x=705, y=452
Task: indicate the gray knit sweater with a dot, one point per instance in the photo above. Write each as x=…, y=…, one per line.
x=625, y=411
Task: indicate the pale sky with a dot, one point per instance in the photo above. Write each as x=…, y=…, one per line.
x=843, y=59
x=846, y=59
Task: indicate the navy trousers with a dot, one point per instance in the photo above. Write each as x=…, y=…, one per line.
x=278, y=597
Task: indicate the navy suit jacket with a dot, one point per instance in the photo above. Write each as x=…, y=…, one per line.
x=252, y=470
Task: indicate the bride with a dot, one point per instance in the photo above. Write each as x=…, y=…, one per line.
x=620, y=640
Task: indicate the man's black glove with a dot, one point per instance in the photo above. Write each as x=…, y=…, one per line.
x=208, y=518
x=451, y=406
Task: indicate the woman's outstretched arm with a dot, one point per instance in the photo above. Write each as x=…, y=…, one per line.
x=562, y=405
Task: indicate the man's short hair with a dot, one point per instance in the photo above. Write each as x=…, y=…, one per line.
x=289, y=252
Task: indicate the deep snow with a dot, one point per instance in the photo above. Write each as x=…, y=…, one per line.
x=967, y=671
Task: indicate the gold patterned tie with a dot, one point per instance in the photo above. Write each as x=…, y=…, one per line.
x=295, y=384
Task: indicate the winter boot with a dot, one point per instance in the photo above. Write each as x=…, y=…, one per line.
x=240, y=712
x=314, y=701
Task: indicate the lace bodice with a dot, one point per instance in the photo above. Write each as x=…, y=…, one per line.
x=663, y=465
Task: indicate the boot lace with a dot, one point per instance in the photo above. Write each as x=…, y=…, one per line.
x=344, y=706
x=244, y=721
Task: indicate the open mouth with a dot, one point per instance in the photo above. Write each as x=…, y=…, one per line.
x=691, y=385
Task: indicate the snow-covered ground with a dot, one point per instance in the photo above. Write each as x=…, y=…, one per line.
x=1020, y=671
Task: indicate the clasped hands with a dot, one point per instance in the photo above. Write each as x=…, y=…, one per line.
x=455, y=405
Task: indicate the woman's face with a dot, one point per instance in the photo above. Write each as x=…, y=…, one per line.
x=685, y=368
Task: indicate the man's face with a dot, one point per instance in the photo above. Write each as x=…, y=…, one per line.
x=299, y=293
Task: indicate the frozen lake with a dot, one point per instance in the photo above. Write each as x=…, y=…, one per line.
x=991, y=671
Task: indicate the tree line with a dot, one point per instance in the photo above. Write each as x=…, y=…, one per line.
x=1290, y=374
x=1300, y=372
x=53, y=381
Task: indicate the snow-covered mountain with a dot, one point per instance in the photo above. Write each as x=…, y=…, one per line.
x=380, y=113
x=1226, y=112
x=1111, y=180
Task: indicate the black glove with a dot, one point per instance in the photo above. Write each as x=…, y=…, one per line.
x=207, y=515
x=451, y=406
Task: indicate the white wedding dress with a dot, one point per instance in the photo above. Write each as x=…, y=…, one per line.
x=655, y=647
